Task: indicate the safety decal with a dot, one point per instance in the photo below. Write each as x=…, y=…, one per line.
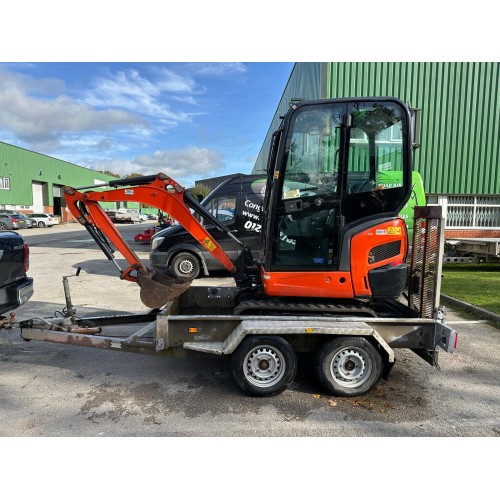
x=209, y=244
x=393, y=230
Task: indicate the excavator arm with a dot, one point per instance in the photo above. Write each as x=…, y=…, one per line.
x=159, y=191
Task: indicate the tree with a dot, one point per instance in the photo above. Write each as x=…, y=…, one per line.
x=199, y=190
x=107, y=172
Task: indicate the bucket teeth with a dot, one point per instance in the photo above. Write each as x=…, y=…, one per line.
x=157, y=289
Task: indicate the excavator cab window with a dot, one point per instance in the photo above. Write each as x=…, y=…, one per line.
x=376, y=160
x=309, y=199
x=341, y=161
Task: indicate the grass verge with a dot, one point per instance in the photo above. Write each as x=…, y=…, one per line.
x=477, y=284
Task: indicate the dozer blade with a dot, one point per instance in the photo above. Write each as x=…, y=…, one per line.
x=157, y=289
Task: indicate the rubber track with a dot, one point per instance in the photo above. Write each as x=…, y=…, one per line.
x=263, y=306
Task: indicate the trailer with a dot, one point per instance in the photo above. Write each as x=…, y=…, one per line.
x=352, y=349
x=466, y=250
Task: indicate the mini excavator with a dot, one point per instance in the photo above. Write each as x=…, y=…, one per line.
x=331, y=236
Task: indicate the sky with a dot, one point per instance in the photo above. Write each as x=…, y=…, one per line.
x=202, y=119
x=192, y=117
x=189, y=120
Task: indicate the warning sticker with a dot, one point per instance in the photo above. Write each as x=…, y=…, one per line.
x=393, y=230
x=294, y=193
x=209, y=244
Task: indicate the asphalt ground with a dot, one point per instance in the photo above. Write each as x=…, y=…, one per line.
x=49, y=390
x=55, y=390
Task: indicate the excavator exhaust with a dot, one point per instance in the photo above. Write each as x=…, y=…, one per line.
x=158, y=289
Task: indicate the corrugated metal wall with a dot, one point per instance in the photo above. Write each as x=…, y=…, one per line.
x=23, y=167
x=460, y=150
x=304, y=83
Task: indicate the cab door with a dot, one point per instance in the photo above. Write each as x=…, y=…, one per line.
x=307, y=199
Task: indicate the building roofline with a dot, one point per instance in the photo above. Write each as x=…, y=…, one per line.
x=52, y=158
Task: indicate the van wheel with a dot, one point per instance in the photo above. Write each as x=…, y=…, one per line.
x=348, y=366
x=41, y=224
x=185, y=265
x=264, y=365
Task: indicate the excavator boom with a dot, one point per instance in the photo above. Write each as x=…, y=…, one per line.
x=159, y=191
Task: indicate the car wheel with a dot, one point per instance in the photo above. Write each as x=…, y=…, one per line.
x=41, y=224
x=185, y=265
x=264, y=365
x=3, y=225
x=348, y=366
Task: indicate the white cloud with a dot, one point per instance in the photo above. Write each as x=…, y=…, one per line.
x=42, y=122
x=174, y=82
x=131, y=91
x=185, y=166
x=47, y=86
x=221, y=69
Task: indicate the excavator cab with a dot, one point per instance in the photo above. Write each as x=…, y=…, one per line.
x=330, y=218
x=339, y=172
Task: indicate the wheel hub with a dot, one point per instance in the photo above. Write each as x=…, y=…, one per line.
x=351, y=366
x=264, y=366
x=186, y=267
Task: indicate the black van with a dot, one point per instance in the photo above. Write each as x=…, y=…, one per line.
x=237, y=203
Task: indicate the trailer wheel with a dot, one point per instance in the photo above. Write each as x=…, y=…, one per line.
x=264, y=365
x=185, y=265
x=348, y=366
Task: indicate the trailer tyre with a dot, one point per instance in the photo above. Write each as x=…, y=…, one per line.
x=185, y=265
x=264, y=365
x=348, y=366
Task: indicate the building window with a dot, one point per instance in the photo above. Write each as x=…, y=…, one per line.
x=476, y=212
x=4, y=183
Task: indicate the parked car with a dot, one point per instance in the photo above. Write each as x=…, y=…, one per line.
x=43, y=220
x=127, y=216
x=15, y=286
x=55, y=217
x=111, y=214
x=6, y=222
x=237, y=204
x=17, y=220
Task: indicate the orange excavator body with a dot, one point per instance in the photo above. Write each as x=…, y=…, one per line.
x=330, y=216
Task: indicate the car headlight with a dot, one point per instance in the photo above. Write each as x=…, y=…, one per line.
x=156, y=242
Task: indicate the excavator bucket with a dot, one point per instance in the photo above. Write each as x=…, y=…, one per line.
x=157, y=289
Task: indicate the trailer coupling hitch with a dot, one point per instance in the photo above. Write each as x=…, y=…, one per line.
x=157, y=289
x=7, y=323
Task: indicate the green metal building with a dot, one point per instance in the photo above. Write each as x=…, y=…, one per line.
x=32, y=182
x=459, y=157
